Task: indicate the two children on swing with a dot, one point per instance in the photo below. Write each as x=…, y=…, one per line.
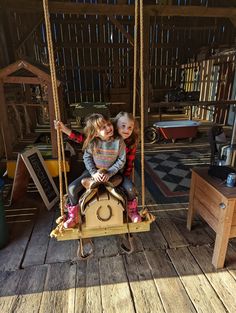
x=108, y=154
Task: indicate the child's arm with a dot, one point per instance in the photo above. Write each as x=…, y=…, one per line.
x=120, y=162
x=72, y=134
x=62, y=127
x=89, y=162
x=130, y=157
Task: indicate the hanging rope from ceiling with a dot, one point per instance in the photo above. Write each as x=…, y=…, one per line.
x=61, y=152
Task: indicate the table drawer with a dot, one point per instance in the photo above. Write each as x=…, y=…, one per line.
x=210, y=194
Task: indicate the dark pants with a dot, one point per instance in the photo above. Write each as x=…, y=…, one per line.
x=129, y=188
x=76, y=187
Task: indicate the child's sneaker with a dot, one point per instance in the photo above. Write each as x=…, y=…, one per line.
x=133, y=211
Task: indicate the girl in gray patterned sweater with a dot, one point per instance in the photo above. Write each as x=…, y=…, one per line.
x=104, y=156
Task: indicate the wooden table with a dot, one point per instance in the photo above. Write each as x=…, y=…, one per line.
x=216, y=204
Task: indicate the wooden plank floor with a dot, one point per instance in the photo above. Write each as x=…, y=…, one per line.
x=170, y=270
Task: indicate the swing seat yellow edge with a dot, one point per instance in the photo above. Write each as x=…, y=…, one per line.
x=75, y=233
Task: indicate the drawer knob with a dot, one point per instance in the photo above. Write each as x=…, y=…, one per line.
x=222, y=205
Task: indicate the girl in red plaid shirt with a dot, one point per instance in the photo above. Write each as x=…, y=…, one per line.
x=127, y=128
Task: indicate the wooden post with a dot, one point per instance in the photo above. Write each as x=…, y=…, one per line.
x=4, y=122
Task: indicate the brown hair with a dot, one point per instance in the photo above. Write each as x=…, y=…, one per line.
x=134, y=137
x=93, y=123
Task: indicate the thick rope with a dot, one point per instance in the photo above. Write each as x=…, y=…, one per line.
x=56, y=102
x=135, y=57
x=142, y=103
x=135, y=64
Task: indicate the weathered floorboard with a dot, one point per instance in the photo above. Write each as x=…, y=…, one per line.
x=168, y=283
x=38, y=244
x=153, y=239
x=145, y=295
x=12, y=255
x=171, y=233
x=9, y=282
x=59, y=289
x=115, y=290
x=93, y=288
x=80, y=287
x=105, y=246
x=61, y=251
x=223, y=283
x=30, y=290
x=200, y=291
x=197, y=235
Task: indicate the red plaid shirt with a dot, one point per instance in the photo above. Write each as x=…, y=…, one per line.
x=130, y=156
x=130, y=151
x=76, y=136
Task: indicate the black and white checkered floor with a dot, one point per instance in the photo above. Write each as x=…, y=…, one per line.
x=170, y=170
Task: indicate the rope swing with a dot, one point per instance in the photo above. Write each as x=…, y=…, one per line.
x=61, y=154
x=83, y=231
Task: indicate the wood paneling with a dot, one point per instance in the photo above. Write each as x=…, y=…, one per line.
x=93, y=45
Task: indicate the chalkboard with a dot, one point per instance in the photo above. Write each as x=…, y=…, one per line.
x=41, y=177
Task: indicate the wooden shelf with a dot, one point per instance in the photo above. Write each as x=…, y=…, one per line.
x=191, y=103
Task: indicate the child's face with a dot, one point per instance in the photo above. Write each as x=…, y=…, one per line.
x=125, y=127
x=106, y=131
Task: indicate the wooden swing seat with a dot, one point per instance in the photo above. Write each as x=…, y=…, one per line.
x=75, y=233
x=99, y=200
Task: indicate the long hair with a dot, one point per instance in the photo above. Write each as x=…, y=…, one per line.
x=93, y=123
x=134, y=137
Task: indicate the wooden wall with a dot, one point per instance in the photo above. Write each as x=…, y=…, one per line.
x=214, y=78
x=94, y=53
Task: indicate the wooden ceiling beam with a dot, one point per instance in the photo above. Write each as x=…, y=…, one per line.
x=190, y=10
x=121, y=29
x=122, y=9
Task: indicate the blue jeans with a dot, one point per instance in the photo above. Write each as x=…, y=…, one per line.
x=129, y=188
x=76, y=187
